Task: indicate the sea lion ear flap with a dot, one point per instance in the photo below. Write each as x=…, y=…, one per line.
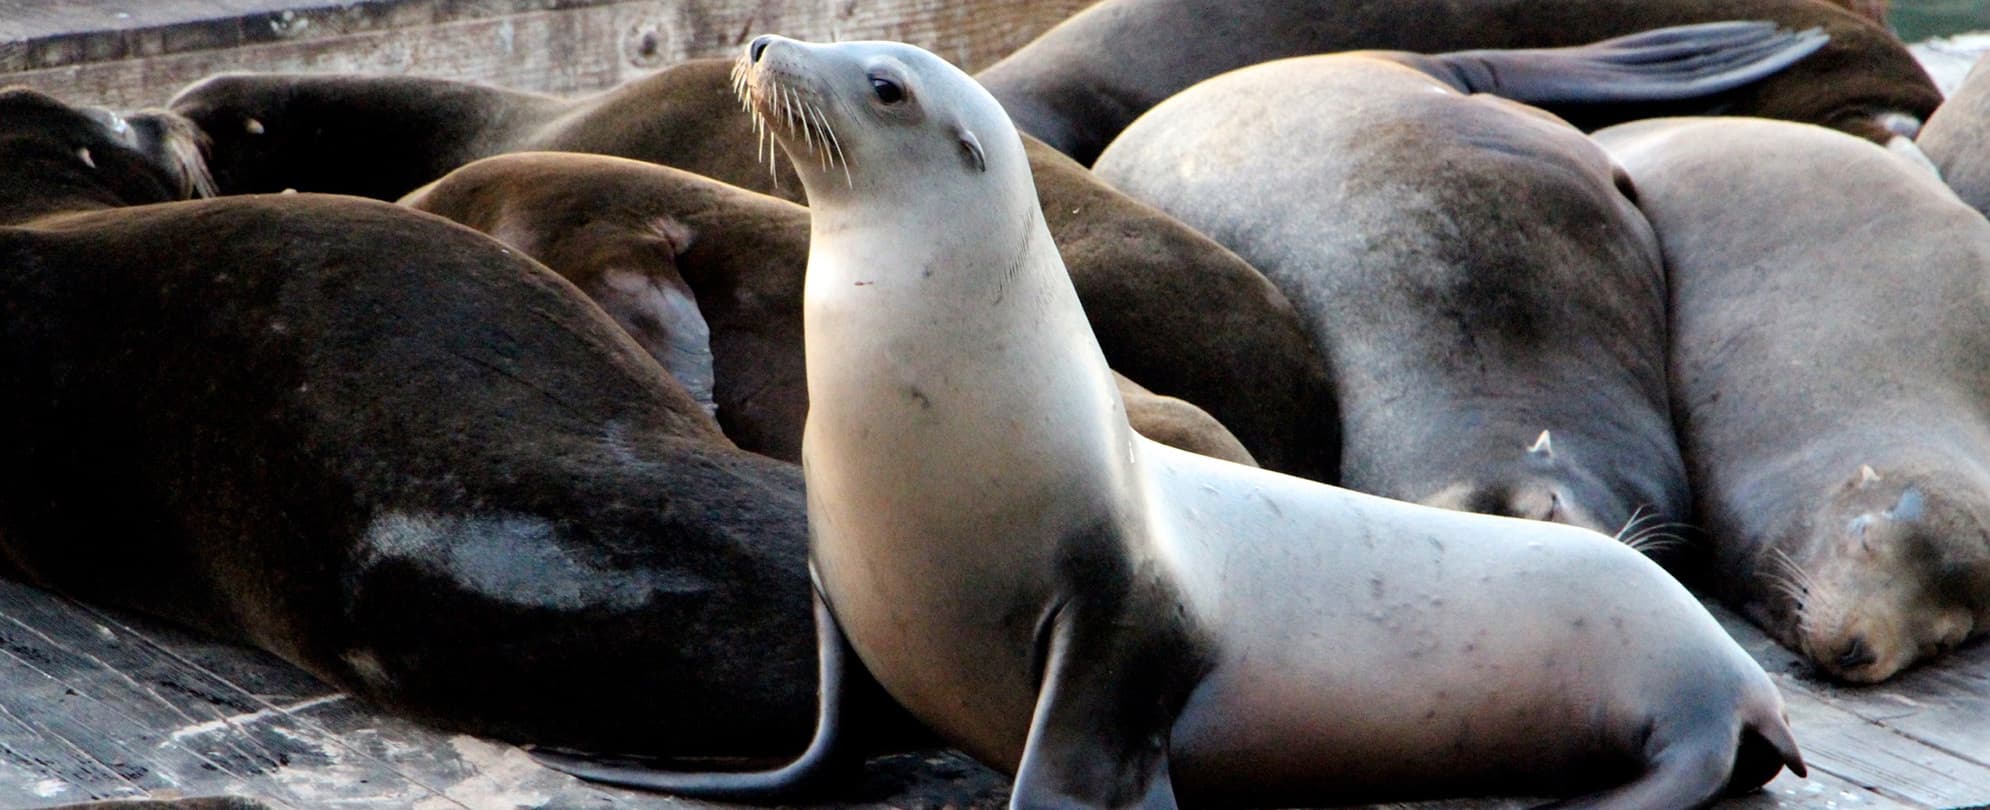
x=970, y=147
x=1625, y=185
x=1909, y=507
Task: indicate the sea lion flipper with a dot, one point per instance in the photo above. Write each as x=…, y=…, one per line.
x=1688, y=768
x=1098, y=737
x=1663, y=64
x=818, y=764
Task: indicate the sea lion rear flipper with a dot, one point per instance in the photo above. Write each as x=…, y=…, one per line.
x=818, y=764
x=1693, y=768
x=1664, y=64
x=1099, y=736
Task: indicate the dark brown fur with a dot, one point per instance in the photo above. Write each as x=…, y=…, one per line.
x=745, y=254
x=1238, y=352
x=387, y=449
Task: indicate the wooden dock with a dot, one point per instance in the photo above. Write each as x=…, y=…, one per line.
x=100, y=704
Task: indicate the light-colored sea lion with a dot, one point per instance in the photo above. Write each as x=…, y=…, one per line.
x=596, y=219
x=1957, y=139
x=383, y=447
x=1489, y=301
x=1079, y=84
x=1829, y=382
x=1115, y=621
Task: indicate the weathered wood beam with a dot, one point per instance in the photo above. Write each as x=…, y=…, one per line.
x=84, y=52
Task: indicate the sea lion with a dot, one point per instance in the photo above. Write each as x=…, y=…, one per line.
x=1178, y=424
x=1828, y=381
x=1490, y=303
x=383, y=447
x=1957, y=139
x=1080, y=83
x=1115, y=621
x=1238, y=352
x=612, y=225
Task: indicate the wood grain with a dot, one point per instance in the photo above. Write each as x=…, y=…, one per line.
x=99, y=704
x=88, y=56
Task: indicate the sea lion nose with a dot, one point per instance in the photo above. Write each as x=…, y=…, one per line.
x=757, y=47
x=1855, y=654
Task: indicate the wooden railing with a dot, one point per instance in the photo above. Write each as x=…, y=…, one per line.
x=130, y=54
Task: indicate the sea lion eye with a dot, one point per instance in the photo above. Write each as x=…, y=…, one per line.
x=888, y=91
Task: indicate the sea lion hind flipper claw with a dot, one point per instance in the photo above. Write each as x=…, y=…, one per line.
x=822, y=762
x=1097, y=738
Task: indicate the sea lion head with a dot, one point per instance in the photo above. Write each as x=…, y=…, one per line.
x=1538, y=482
x=1896, y=570
x=58, y=156
x=875, y=118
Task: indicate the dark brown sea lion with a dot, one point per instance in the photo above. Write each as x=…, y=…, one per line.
x=1490, y=302
x=1829, y=382
x=592, y=216
x=1238, y=352
x=384, y=447
x=1079, y=84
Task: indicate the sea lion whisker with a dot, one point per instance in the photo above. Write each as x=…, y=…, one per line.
x=1655, y=540
x=808, y=133
x=1637, y=515
x=836, y=144
x=1811, y=606
x=810, y=112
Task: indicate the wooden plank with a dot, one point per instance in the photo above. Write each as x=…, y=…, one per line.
x=1919, y=739
x=1945, y=706
x=42, y=34
x=1821, y=791
x=175, y=703
x=98, y=704
x=118, y=714
x=1787, y=791
x=577, y=47
x=1871, y=755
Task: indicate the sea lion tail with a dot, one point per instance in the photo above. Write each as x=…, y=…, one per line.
x=817, y=765
x=1663, y=64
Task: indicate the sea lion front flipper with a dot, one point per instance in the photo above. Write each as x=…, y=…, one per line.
x=1099, y=736
x=1664, y=64
x=819, y=764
